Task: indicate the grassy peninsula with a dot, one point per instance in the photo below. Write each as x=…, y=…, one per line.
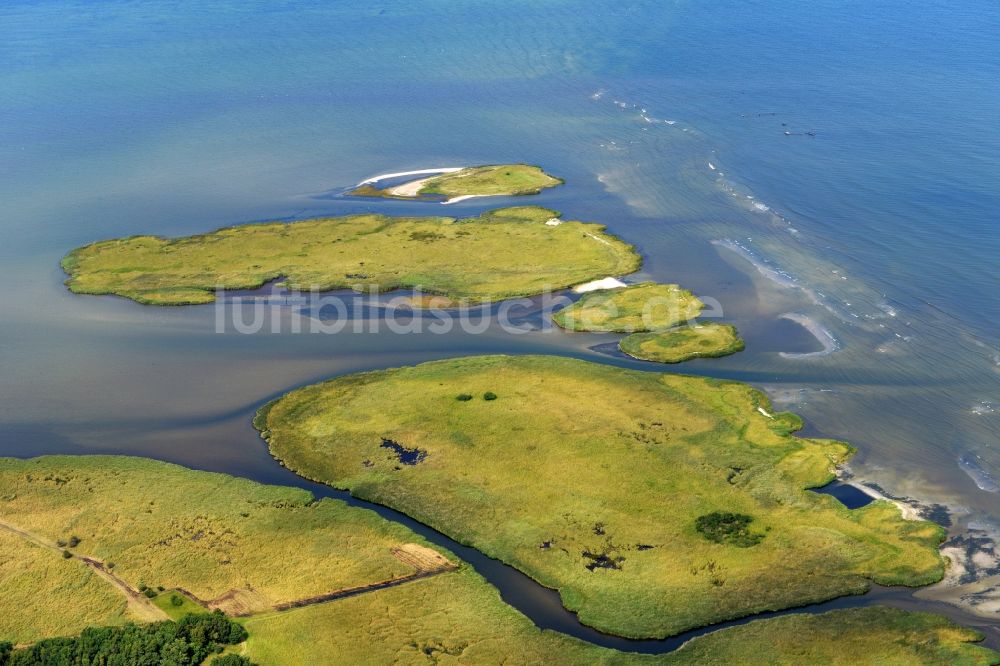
x=459, y=618
x=502, y=254
x=488, y=180
x=640, y=307
x=683, y=343
x=87, y=541
x=592, y=480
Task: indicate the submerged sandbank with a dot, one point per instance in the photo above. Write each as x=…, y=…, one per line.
x=822, y=335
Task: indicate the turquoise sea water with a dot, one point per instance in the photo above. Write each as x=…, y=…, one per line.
x=875, y=216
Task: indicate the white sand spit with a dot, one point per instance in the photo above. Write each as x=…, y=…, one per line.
x=594, y=285
x=410, y=188
x=467, y=196
x=400, y=174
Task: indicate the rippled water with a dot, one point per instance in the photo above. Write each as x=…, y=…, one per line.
x=874, y=217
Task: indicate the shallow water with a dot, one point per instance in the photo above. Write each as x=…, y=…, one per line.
x=668, y=121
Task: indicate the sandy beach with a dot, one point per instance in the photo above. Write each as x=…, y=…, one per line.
x=603, y=283
x=410, y=188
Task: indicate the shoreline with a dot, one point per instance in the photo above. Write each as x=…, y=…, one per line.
x=463, y=197
x=908, y=511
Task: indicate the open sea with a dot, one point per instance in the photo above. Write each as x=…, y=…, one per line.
x=828, y=172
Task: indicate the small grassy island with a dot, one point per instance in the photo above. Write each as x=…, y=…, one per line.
x=683, y=343
x=99, y=540
x=593, y=480
x=651, y=313
x=478, y=181
x=504, y=253
x=640, y=307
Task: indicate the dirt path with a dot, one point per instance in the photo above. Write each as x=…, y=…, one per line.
x=426, y=562
x=138, y=605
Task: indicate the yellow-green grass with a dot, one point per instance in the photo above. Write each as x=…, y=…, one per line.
x=232, y=543
x=575, y=457
x=512, y=179
x=175, y=611
x=488, y=180
x=457, y=618
x=501, y=254
x=641, y=307
x=683, y=343
x=44, y=594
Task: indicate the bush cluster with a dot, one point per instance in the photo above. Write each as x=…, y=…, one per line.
x=728, y=528
x=189, y=641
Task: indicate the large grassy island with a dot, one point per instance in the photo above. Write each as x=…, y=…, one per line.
x=653, y=502
x=123, y=520
x=457, y=618
x=504, y=253
x=478, y=181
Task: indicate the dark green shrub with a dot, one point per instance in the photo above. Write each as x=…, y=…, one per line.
x=189, y=641
x=176, y=600
x=463, y=397
x=67, y=554
x=61, y=543
x=150, y=593
x=729, y=528
x=74, y=541
x=489, y=395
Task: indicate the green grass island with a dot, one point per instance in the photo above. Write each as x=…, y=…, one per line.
x=504, y=253
x=652, y=314
x=534, y=477
x=460, y=183
x=683, y=343
x=404, y=600
x=647, y=306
